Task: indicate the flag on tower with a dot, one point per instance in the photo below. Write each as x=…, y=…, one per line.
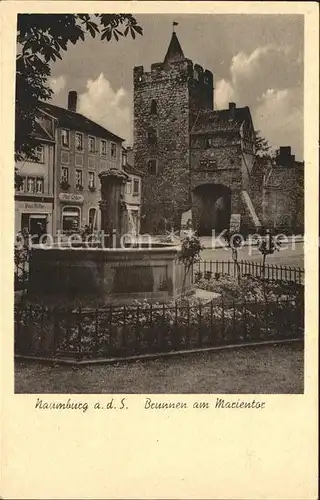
x=175, y=23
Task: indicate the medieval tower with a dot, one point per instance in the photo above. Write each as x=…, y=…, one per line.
x=166, y=103
x=191, y=156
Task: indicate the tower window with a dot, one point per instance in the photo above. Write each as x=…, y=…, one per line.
x=153, y=108
x=152, y=136
x=196, y=75
x=152, y=167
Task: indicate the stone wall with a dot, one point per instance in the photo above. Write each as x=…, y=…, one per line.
x=224, y=163
x=283, y=199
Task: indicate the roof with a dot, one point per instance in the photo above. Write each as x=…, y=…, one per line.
x=174, y=52
x=130, y=169
x=221, y=120
x=41, y=134
x=76, y=121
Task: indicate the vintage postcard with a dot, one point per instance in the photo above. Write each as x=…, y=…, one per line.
x=159, y=249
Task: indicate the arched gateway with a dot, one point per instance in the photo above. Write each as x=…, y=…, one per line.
x=211, y=208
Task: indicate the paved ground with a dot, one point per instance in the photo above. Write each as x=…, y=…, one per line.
x=276, y=369
x=293, y=256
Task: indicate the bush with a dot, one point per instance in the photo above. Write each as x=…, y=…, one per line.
x=249, y=288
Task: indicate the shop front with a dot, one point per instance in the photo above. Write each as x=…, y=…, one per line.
x=33, y=216
x=71, y=216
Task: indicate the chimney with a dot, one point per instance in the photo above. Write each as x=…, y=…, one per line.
x=72, y=101
x=284, y=157
x=285, y=151
x=232, y=109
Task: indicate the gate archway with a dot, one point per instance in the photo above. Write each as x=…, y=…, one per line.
x=211, y=208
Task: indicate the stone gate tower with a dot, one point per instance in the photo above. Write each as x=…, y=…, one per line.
x=167, y=101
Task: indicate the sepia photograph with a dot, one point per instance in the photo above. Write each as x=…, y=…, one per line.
x=159, y=204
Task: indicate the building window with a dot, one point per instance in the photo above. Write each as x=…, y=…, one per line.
x=22, y=185
x=152, y=167
x=103, y=148
x=92, y=180
x=124, y=159
x=196, y=75
x=78, y=177
x=79, y=141
x=209, y=142
x=70, y=218
x=135, y=187
x=113, y=150
x=153, y=108
x=93, y=219
x=92, y=144
x=152, y=136
x=65, y=138
x=128, y=187
x=39, y=154
x=30, y=184
x=64, y=174
x=39, y=185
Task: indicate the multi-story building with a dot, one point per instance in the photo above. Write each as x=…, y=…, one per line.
x=34, y=198
x=132, y=191
x=83, y=150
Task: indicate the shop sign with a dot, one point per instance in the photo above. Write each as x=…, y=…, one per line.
x=34, y=207
x=78, y=198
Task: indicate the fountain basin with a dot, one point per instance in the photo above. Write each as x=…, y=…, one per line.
x=108, y=275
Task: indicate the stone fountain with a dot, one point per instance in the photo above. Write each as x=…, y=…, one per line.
x=108, y=272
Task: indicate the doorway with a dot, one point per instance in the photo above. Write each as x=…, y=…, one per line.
x=211, y=208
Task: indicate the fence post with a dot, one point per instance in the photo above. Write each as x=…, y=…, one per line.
x=124, y=332
x=174, y=339
x=79, y=333
x=55, y=330
x=211, y=322
x=222, y=319
x=96, y=331
x=233, y=318
x=137, y=334
x=110, y=342
x=161, y=331
x=244, y=319
x=188, y=324
x=200, y=326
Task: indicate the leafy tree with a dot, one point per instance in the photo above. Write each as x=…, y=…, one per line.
x=41, y=40
x=263, y=148
x=267, y=245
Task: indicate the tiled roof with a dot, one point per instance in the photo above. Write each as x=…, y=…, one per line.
x=130, y=169
x=221, y=120
x=41, y=134
x=76, y=121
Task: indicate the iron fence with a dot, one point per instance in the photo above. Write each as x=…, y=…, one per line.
x=214, y=268
x=129, y=330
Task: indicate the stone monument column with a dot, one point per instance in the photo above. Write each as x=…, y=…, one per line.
x=112, y=205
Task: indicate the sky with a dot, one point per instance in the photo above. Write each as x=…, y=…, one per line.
x=256, y=60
